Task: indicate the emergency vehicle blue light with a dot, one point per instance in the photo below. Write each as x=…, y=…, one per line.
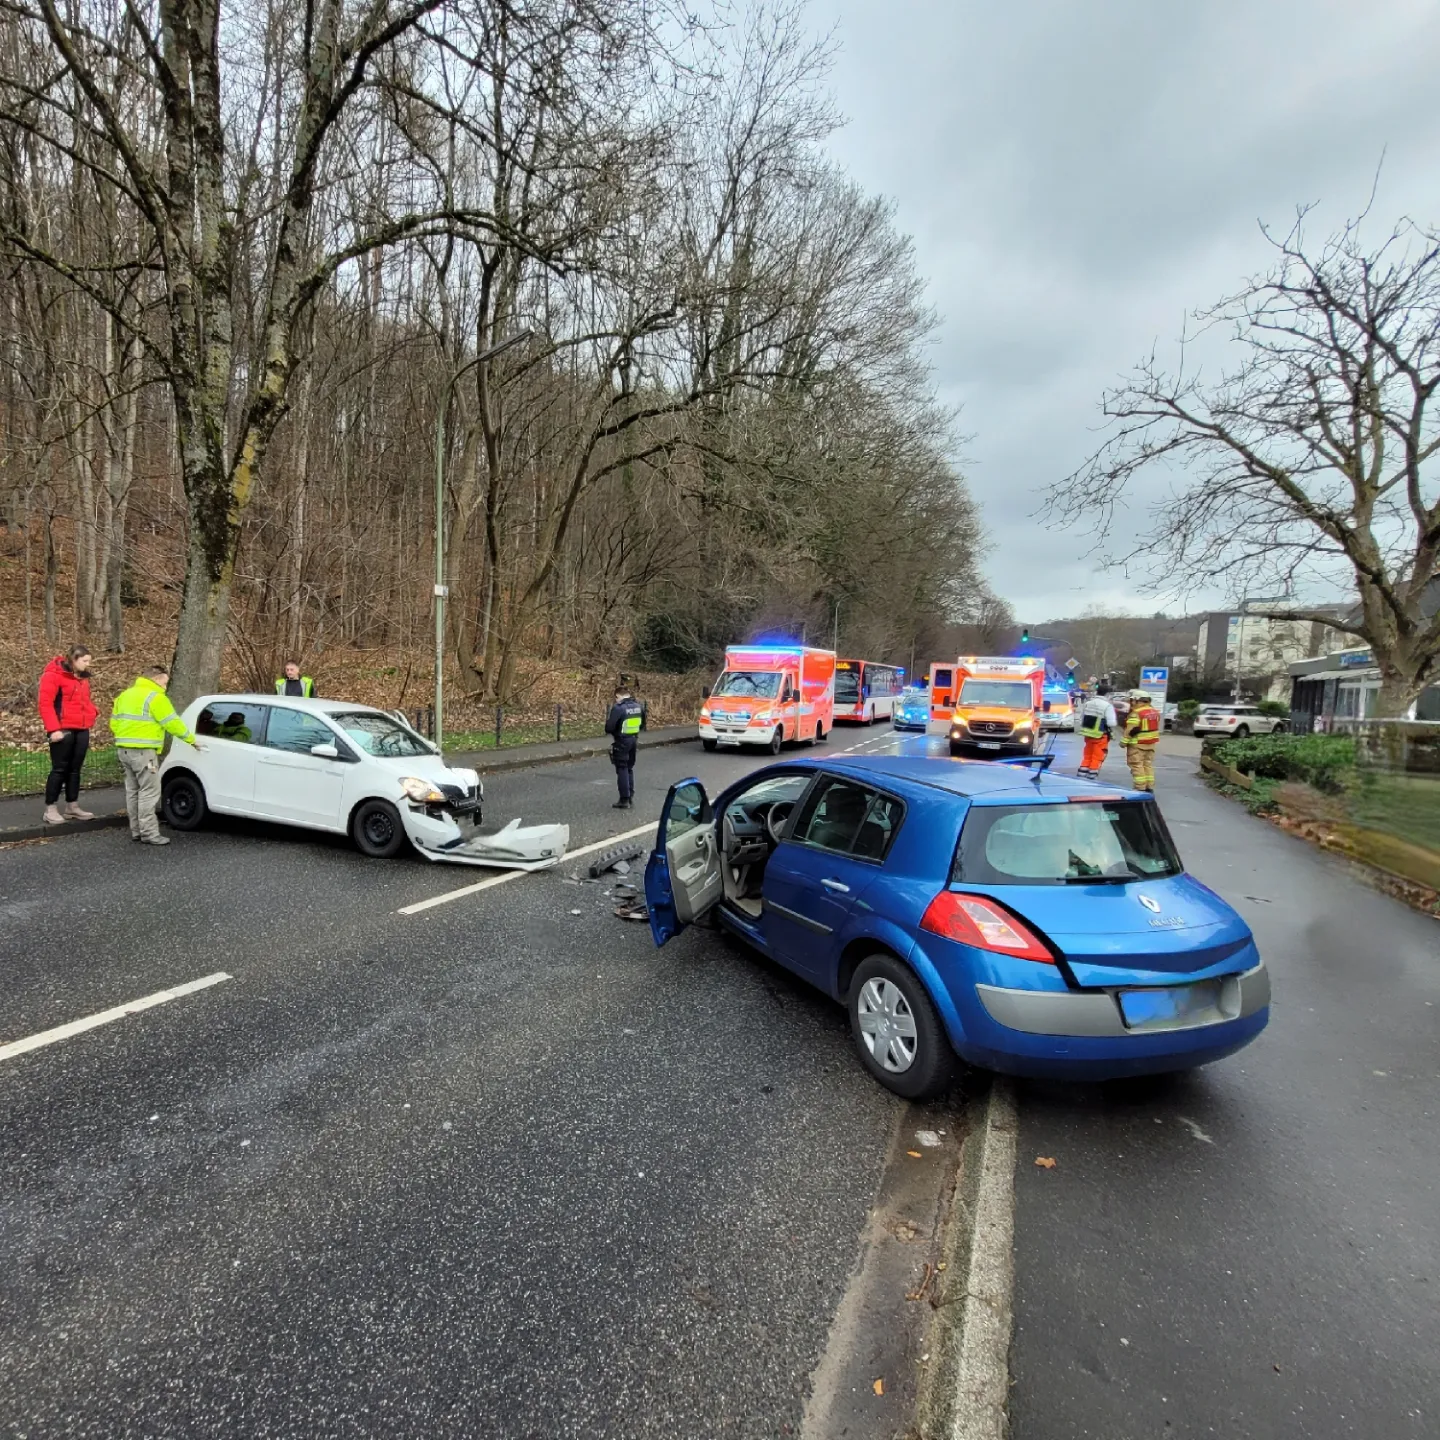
x=770, y=648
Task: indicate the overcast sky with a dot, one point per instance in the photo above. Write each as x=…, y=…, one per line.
x=1079, y=176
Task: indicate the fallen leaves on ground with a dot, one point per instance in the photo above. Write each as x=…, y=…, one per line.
x=913, y=1154
x=1045, y=1162
x=879, y=1387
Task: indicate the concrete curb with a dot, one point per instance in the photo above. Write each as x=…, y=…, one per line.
x=969, y=1388
x=70, y=827
x=489, y=762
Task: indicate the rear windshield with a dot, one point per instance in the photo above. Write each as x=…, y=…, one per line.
x=1064, y=844
x=1008, y=694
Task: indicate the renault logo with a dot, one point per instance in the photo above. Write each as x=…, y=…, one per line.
x=1150, y=904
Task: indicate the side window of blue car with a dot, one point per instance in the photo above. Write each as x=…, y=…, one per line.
x=849, y=819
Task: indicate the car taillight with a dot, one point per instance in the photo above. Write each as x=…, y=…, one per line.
x=978, y=921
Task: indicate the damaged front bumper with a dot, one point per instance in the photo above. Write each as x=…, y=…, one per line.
x=441, y=836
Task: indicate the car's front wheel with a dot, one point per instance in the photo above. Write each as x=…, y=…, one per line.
x=710, y=744
x=896, y=1030
x=182, y=802
x=819, y=733
x=776, y=740
x=377, y=829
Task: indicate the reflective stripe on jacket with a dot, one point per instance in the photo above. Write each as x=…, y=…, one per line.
x=307, y=687
x=141, y=716
x=1096, y=719
x=1142, y=726
x=625, y=719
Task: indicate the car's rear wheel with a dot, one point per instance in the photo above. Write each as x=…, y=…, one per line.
x=182, y=803
x=896, y=1030
x=377, y=830
x=776, y=740
x=1280, y=728
x=1241, y=732
x=819, y=733
x=710, y=744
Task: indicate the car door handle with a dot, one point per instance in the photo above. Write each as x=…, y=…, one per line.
x=837, y=886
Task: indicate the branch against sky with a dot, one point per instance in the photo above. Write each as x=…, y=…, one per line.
x=1311, y=462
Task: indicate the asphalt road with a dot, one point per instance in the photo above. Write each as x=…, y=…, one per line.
x=495, y=1168
x=1252, y=1250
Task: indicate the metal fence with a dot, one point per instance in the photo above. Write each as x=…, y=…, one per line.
x=23, y=772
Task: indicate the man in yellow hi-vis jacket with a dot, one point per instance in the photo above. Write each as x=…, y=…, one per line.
x=139, y=720
x=1142, y=735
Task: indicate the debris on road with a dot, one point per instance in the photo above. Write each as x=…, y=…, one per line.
x=614, y=858
x=1046, y=1162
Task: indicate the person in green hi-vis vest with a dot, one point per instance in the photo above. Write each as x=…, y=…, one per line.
x=622, y=725
x=294, y=683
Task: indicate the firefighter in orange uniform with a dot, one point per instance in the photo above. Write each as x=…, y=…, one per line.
x=1142, y=735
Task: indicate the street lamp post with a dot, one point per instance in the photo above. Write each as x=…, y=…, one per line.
x=442, y=590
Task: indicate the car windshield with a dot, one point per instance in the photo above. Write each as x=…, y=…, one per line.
x=761, y=684
x=847, y=686
x=1055, y=844
x=380, y=735
x=1006, y=694
x=915, y=697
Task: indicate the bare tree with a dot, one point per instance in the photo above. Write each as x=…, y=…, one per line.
x=1313, y=459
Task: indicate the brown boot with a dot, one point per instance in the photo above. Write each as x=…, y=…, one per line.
x=53, y=816
x=73, y=811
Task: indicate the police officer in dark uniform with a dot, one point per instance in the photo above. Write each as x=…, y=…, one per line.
x=622, y=725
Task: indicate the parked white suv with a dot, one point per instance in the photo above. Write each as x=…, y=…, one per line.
x=1236, y=721
x=323, y=765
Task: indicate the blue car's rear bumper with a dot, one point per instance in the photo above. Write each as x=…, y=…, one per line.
x=1020, y=1020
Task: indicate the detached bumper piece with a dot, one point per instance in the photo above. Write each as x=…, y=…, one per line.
x=516, y=847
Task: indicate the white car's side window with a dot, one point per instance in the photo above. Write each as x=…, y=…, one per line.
x=296, y=731
x=233, y=720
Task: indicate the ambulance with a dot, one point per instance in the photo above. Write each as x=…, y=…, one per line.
x=768, y=695
x=942, y=689
x=998, y=703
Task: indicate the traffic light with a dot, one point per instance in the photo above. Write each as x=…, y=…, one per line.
x=1025, y=635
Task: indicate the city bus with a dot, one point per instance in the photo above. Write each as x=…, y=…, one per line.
x=866, y=691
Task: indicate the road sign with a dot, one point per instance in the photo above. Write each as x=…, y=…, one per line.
x=1072, y=664
x=1156, y=680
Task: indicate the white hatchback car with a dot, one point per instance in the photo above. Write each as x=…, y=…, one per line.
x=1236, y=721
x=323, y=765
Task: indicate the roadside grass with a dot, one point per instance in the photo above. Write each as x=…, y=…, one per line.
x=521, y=732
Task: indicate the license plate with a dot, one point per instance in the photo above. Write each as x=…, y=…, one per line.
x=728, y=740
x=988, y=744
x=1174, y=1005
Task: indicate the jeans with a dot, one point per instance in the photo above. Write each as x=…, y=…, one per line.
x=66, y=758
x=142, y=791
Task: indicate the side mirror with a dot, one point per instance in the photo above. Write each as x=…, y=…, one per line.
x=704, y=692
x=325, y=752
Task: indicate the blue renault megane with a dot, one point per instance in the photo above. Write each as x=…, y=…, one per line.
x=1019, y=921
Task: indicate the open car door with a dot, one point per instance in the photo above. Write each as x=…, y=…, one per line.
x=683, y=877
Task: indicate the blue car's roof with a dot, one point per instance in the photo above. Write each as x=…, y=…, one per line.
x=983, y=781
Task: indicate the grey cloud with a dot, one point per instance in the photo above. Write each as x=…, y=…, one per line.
x=1078, y=177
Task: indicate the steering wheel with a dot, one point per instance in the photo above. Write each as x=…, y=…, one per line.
x=775, y=820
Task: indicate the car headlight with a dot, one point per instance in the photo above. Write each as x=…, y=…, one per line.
x=423, y=792
x=760, y=716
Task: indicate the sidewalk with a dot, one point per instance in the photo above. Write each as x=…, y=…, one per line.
x=20, y=814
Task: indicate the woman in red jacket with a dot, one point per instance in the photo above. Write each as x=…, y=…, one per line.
x=68, y=713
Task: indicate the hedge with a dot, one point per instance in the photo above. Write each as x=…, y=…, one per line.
x=1319, y=760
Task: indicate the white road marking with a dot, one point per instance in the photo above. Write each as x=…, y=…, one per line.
x=104, y=1017
x=507, y=876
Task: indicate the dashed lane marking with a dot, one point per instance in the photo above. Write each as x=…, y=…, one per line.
x=104, y=1017
x=506, y=876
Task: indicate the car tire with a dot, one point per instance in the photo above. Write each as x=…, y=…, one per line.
x=710, y=744
x=1240, y=732
x=182, y=803
x=1280, y=728
x=377, y=829
x=957, y=750
x=776, y=740
x=901, y=997
x=819, y=733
